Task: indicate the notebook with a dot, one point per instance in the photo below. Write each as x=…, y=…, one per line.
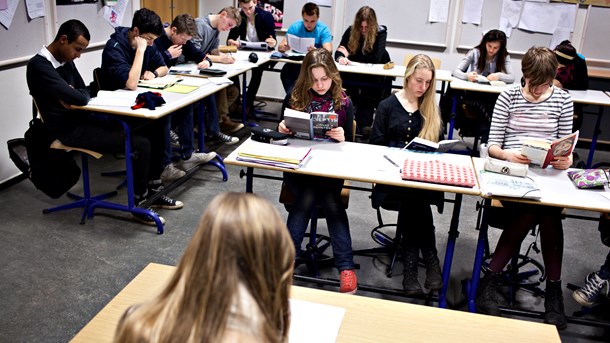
x=436, y=169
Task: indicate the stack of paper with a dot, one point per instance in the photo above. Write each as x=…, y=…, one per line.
x=160, y=82
x=495, y=184
x=273, y=155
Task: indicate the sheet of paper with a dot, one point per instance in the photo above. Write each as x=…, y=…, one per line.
x=509, y=17
x=306, y=315
x=118, y=98
x=113, y=15
x=196, y=81
x=6, y=16
x=547, y=18
x=472, y=11
x=438, y=11
x=35, y=8
x=220, y=80
x=299, y=44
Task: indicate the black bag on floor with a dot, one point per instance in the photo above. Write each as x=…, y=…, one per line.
x=52, y=171
x=19, y=155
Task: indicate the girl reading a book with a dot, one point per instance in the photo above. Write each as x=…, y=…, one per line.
x=410, y=113
x=364, y=42
x=318, y=89
x=536, y=108
x=231, y=285
x=489, y=59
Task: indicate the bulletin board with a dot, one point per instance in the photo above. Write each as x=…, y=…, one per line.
x=24, y=37
x=407, y=21
x=595, y=37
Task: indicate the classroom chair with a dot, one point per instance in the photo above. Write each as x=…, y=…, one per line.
x=435, y=61
x=518, y=273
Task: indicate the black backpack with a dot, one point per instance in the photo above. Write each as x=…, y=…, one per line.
x=53, y=171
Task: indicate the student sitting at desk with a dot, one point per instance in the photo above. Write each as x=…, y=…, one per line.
x=571, y=74
x=257, y=25
x=363, y=42
x=207, y=41
x=231, y=284
x=535, y=108
x=309, y=27
x=173, y=43
x=410, y=113
x=318, y=88
x=56, y=85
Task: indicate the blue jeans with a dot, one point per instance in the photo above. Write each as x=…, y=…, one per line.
x=308, y=192
x=211, y=116
x=182, y=119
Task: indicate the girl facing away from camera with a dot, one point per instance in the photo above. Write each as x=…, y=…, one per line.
x=231, y=285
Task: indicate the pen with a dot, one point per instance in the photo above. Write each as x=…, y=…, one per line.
x=389, y=160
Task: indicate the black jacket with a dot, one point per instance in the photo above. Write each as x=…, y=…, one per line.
x=263, y=23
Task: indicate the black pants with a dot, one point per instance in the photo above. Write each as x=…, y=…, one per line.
x=289, y=74
x=147, y=145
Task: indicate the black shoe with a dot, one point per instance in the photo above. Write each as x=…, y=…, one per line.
x=163, y=201
x=410, y=283
x=434, y=277
x=487, y=295
x=147, y=219
x=554, y=312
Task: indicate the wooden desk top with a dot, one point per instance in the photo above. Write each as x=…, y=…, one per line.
x=599, y=73
x=365, y=320
x=355, y=162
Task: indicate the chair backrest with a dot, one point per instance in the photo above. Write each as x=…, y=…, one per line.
x=436, y=61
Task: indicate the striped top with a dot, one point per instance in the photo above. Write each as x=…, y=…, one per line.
x=515, y=117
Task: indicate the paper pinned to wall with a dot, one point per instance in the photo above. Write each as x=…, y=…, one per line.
x=438, y=11
x=6, y=16
x=114, y=14
x=473, y=10
x=547, y=18
x=35, y=8
x=509, y=17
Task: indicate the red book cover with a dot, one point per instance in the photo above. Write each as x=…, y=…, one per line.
x=437, y=170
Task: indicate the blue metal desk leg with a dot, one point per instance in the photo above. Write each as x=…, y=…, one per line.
x=478, y=258
x=594, y=138
x=452, y=120
x=201, y=138
x=453, y=235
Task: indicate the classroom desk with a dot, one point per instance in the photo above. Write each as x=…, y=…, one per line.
x=366, y=319
x=599, y=73
x=174, y=101
x=366, y=163
x=586, y=97
x=556, y=190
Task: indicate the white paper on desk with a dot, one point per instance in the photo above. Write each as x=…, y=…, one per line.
x=114, y=98
x=359, y=64
x=300, y=44
x=35, y=8
x=195, y=81
x=221, y=80
x=306, y=315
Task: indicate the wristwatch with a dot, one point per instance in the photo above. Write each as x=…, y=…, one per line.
x=155, y=72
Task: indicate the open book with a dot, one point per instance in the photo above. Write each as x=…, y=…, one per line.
x=542, y=152
x=160, y=82
x=310, y=125
x=299, y=44
x=484, y=80
x=422, y=144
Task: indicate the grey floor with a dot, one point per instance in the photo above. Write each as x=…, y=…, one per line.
x=57, y=274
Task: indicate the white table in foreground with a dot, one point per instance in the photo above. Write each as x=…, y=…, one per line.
x=365, y=320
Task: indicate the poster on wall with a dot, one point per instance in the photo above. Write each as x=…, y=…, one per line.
x=276, y=8
x=74, y=2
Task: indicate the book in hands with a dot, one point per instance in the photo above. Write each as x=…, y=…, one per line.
x=421, y=144
x=485, y=80
x=542, y=152
x=310, y=125
x=300, y=44
x=160, y=82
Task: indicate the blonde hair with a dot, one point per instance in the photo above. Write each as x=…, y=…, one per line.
x=240, y=240
x=233, y=13
x=365, y=13
x=427, y=102
x=301, y=95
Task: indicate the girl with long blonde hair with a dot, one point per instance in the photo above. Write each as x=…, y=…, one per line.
x=364, y=42
x=410, y=113
x=232, y=283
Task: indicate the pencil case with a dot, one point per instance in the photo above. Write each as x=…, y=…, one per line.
x=212, y=72
x=264, y=135
x=588, y=178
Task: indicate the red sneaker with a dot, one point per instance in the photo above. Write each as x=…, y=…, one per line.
x=348, y=281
